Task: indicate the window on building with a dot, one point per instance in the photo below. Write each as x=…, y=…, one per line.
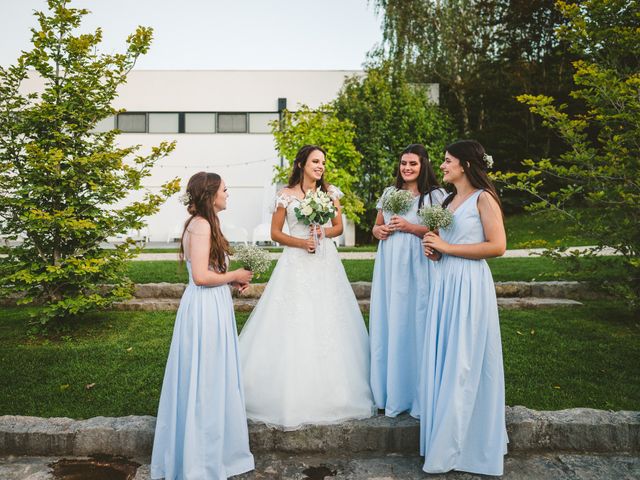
x=200, y=122
x=105, y=125
x=259, y=122
x=132, y=122
x=232, y=122
x=164, y=122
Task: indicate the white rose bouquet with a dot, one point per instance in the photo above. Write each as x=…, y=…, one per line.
x=252, y=258
x=396, y=201
x=316, y=208
x=435, y=217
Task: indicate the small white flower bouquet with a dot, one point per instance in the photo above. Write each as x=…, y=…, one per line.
x=252, y=258
x=435, y=217
x=316, y=208
x=396, y=201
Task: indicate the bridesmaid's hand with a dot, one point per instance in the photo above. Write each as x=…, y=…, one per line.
x=381, y=232
x=242, y=276
x=432, y=243
x=241, y=287
x=397, y=223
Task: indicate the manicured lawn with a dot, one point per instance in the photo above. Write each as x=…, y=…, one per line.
x=539, y=229
x=554, y=358
x=503, y=269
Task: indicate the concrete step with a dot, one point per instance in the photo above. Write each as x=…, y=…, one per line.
x=247, y=304
x=276, y=466
x=362, y=290
x=574, y=430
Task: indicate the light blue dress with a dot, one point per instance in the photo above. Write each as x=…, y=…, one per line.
x=399, y=295
x=462, y=420
x=201, y=431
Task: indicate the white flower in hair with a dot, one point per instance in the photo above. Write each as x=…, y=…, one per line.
x=185, y=199
x=488, y=160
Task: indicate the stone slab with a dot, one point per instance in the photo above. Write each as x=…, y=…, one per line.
x=573, y=430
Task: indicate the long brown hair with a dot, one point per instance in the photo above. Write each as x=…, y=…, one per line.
x=201, y=192
x=297, y=174
x=427, y=180
x=474, y=164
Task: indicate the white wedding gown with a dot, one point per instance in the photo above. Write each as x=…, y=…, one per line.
x=304, y=350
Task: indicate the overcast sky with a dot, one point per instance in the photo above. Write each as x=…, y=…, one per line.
x=219, y=34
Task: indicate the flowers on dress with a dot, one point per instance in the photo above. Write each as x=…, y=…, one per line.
x=435, y=217
x=396, y=201
x=252, y=258
x=315, y=208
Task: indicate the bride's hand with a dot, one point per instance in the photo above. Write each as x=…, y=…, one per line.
x=319, y=231
x=308, y=244
x=241, y=287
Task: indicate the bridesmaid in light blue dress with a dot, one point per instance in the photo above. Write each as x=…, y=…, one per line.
x=201, y=430
x=462, y=420
x=400, y=287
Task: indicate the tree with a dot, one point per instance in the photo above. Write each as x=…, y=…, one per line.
x=601, y=168
x=63, y=187
x=322, y=127
x=388, y=114
x=484, y=53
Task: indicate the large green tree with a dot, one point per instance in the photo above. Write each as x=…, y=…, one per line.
x=388, y=113
x=484, y=53
x=63, y=186
x=600, y=171
x=322, y=127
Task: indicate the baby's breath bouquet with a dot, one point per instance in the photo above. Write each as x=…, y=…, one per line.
x=315, y=208
x=252, y=258
x=435, y=217
x=396, y=201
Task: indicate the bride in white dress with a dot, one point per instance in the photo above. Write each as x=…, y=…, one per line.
x=304, y=350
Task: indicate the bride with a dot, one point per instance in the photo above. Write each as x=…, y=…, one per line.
x=304, y=350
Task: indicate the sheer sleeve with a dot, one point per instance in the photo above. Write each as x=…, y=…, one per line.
x=280, y=200
x=334, y=192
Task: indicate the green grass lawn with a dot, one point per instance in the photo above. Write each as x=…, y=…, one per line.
x=554, y=359
x=539, y=229
x=503, y=269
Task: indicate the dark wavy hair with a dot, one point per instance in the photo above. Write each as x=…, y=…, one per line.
x=297, y=174
x=201, y=192
x=427, y=180
x=472, y=160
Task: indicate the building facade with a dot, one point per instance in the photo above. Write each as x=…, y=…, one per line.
x=220, y=120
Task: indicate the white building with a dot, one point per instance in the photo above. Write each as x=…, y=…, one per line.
x=220, y=121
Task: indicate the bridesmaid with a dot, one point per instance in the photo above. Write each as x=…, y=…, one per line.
x=400, y=288
x=201, y=431
x=462, y=419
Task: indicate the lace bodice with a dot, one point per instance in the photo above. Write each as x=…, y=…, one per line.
x=290, y=202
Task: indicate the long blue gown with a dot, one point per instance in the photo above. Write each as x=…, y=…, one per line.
x=399, y=295
x=201, y=430
x=462, y=421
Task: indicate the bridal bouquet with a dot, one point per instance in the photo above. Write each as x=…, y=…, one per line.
x=435, y=217
x=252, y=258
x=396, y=201
x=316, y=208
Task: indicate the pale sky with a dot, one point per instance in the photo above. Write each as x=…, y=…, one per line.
x=219, y=34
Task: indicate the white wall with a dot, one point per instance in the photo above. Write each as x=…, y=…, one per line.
x=244, y=160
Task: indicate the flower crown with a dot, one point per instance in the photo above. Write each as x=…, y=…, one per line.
x=488, y=160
